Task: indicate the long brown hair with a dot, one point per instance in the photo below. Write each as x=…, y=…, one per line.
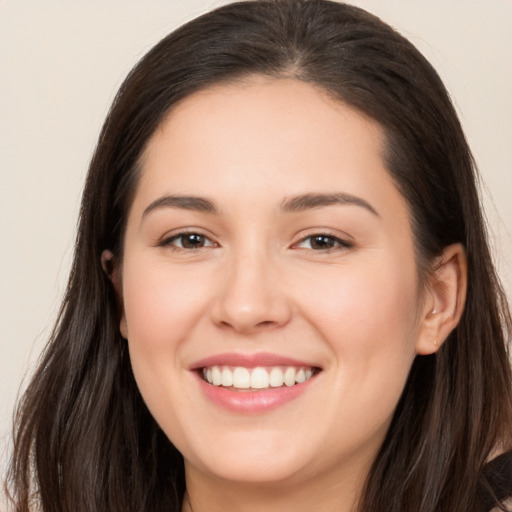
x=84, y=439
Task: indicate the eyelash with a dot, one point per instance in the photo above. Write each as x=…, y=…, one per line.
x=337, y=243
x=334, y=243
x=169, y=242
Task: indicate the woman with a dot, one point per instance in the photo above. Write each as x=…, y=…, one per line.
x=282, y=295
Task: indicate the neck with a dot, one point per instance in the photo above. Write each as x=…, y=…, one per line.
x=332, y=492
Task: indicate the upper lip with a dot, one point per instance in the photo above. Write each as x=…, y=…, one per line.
x=249, y=360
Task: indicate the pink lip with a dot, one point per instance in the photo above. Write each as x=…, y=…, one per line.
x=252, y=402
x=249, y=361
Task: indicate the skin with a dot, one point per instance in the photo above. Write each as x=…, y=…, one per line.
x=258, y=283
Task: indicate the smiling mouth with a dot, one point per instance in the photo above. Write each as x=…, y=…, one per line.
x=258, y=378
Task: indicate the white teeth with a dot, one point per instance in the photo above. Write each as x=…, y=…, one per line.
x=276, y=377
x=216, y=376
x=259, y=378
x=289, y=376
x=227, y=377
x=240, y=377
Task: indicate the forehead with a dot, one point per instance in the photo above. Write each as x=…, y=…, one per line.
x=264, y=139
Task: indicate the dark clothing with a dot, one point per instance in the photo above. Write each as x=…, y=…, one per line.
x=497, y=482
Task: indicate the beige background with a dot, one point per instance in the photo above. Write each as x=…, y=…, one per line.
x=60, y=65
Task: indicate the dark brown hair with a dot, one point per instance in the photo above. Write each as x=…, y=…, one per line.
x=85, y=440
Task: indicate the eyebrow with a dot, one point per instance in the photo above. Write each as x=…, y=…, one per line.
x=198, y=204
x=311, y=201
x=293, y=204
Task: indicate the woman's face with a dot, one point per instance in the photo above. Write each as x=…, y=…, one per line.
x=269, y=252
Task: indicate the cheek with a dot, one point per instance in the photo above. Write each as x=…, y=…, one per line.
x=368, y=316
x=162, y=306
x=368, y=319
x=161, y=303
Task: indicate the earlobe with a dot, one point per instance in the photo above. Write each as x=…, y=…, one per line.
x=446, y=298
x=107, y=262
x=113, y=271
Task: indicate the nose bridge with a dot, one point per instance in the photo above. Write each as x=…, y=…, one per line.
x=252, y=296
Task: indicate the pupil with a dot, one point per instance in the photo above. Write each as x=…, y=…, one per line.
x=322, y=242
x=192, y=241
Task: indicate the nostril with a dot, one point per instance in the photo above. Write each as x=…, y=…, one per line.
x=260, y=325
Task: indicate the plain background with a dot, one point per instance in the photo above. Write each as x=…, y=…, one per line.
x=60, y=66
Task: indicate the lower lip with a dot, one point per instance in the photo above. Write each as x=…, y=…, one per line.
x=253, y=402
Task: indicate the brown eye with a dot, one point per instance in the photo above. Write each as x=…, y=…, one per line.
x=189, y=241
x=323, y=242
x=192, y=241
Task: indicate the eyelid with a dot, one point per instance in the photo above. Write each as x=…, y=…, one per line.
x=168, y=238
x=343, y=241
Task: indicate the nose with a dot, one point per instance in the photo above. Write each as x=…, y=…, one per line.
x=252, y=297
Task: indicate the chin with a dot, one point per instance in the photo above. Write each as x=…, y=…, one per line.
x=256, y=470
x=251, y=458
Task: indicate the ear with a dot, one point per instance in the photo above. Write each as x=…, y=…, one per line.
x=445, y=299
x=112, y=268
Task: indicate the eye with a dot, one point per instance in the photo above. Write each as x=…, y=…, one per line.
x=323, y=242
x=189, y=241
